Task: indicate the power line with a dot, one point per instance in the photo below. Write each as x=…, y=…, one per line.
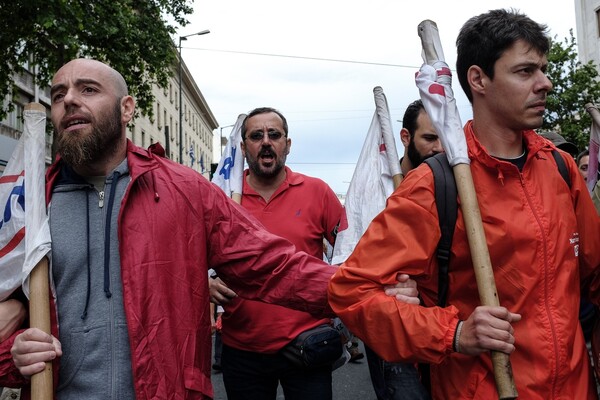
x=306, y=58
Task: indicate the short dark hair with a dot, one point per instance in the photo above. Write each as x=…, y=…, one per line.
x=484, y=38
x=581, y=155
x=264, y=110
x=409, y=121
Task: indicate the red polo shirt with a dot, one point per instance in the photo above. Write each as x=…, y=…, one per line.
x=303, y=210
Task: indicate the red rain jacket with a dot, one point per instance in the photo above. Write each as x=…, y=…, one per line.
x=173, y=225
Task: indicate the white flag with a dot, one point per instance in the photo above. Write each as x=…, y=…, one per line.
x=371, y=182
x=24, y=236
x=434, y=81
x=435, y=86
x=229, y=173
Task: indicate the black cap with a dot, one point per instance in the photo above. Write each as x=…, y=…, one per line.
x=561, y=143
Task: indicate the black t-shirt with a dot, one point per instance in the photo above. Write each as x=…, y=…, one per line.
x=519, y=162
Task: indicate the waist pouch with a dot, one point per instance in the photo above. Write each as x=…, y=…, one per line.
x=316, y=347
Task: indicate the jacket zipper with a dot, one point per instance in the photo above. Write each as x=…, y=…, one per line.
x=111, y=188
x=546, y=285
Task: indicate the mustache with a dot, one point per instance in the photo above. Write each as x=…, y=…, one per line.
x=266, y=151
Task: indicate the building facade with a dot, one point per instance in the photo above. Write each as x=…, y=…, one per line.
x=587, y=20
x=12, y=125
x=198, y=121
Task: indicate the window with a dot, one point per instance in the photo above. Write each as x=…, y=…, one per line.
x=598, y=20
x=15, y=117
x=143, y=144
x=158, y=116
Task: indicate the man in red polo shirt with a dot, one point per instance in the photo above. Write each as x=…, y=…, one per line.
x=305, y=211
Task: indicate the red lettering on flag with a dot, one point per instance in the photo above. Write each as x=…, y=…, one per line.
x=11, y=178
x=14, y=242
x=437, y=89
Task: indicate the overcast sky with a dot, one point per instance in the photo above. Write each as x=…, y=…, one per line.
x=329, y=104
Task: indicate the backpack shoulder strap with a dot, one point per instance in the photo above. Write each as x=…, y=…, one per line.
x=447, y=207
x=562, y=167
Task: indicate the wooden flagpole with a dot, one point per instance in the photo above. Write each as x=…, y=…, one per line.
x=39, y=317
x=39, y=309
x=383, y=114
x=484, y=273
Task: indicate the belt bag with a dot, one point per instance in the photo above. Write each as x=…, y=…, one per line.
x=316, y=347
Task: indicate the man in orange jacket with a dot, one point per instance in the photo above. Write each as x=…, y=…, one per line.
x=542, y=234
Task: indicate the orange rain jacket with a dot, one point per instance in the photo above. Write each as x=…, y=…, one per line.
x=544, y=240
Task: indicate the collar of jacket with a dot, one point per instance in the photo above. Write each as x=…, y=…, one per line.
x=139, y=161
x=535, y=145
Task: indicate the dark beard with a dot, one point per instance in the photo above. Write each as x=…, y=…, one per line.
x=413, y=155
x=254, y=166
x=78, y=149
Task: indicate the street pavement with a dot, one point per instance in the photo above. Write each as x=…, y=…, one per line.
x=350, y=382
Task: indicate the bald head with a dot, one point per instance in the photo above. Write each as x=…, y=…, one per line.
x=97, y=69
x=90, y=112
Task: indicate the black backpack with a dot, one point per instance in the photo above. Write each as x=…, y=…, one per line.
x=447, y=207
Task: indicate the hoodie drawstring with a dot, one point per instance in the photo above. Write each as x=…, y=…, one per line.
x=109, y=208
x=107, y=230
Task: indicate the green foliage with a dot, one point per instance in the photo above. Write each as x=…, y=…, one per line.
x=575, y=84
x=133, y=36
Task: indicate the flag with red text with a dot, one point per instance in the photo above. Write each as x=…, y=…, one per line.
x=24, y=230
x=371, y=182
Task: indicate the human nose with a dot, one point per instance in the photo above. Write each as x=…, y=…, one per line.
x=545, y=84
x=437, y=147
x=265, y=140
x=70, y=98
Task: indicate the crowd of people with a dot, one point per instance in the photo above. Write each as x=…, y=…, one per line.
x=133, y=317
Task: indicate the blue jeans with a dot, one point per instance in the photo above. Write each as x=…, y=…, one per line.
x=255, y=376
x=394, y=381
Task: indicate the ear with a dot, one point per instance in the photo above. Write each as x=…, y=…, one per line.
x=477, y=79
x=243, y=147
x=127, y=109
x=289, y=145
x=405, y=137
